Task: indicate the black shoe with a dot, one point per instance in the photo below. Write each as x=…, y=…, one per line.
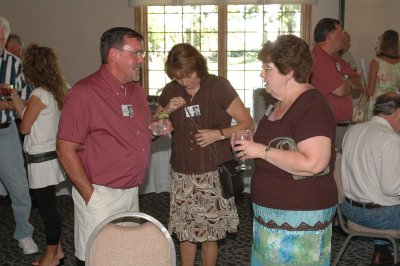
x=80, y=262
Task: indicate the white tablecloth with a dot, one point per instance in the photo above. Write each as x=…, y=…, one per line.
x=158, y=178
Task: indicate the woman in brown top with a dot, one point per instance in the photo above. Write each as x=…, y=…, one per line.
x=293, y=190
x=198, y=213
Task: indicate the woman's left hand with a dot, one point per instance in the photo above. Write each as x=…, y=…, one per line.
x=205, y=137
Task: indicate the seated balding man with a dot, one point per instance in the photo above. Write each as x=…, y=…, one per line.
x=371, y=172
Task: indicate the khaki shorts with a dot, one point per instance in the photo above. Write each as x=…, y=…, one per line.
x=103, y=203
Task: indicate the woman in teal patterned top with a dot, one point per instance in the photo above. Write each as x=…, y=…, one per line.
x=384, y=70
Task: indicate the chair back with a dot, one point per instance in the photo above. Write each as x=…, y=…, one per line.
x=120, y=241
x=338, y=177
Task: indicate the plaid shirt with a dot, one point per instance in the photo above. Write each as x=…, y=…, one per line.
x=11, y=73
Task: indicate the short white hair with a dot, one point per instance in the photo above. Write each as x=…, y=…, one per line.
x=5, y=26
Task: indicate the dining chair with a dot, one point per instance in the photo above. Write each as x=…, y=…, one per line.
x=355, y=230
x=130, y=238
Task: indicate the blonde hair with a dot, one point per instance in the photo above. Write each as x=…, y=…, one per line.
x=388, y=44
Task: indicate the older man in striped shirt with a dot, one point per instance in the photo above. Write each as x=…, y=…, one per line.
x=12, y=171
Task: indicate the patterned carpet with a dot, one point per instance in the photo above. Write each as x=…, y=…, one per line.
x=234, y=250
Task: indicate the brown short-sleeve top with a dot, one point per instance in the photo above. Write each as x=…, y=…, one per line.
x=309, y=116
x=213, y=98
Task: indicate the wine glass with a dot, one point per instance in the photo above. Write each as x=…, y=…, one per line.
x=243, y=135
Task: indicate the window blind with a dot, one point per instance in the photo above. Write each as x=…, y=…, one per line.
x=136, y=3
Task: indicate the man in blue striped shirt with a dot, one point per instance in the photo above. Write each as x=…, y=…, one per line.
x=12, y=171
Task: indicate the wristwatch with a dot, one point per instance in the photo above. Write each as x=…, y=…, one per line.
x=222, y=134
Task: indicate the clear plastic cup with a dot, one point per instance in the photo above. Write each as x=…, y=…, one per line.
x=159, y=126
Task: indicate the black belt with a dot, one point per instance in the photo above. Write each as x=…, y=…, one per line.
x=41, y=157
x=343, y=124
x=365, y=205
x=5, y=125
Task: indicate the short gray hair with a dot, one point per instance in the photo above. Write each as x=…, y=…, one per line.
x=387, y=103
x=5, y=25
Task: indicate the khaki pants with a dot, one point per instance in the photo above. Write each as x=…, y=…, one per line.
x=103, y=203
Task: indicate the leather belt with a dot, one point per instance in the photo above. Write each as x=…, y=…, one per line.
x=343, y=124
x=41, y=157
x=5, y=125
x=365, y=205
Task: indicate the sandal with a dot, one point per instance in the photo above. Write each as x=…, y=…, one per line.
x=39, y=261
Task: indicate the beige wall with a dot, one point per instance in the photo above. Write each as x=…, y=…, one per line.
x=324, y=9
x=372, y=18
x=73, y=27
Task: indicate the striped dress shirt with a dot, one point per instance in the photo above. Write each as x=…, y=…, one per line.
x=11, y=73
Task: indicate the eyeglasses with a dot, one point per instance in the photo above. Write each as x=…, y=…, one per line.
x=265, y=67
x=136, y=53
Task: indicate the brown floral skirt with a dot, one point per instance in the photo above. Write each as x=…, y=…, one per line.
x=198, y=212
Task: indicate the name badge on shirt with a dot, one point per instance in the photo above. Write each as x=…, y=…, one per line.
x=127, y=110
x=269, y=110
x=194, y=110
x=339, y=67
